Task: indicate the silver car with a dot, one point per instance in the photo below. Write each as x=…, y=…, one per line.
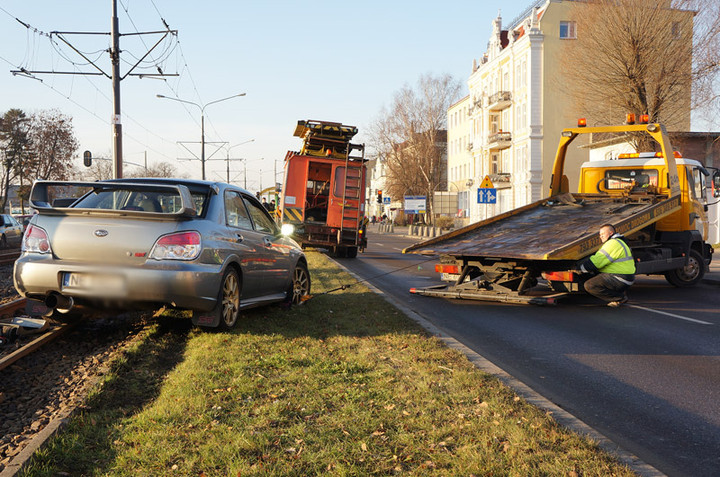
x=204, y=246
x=11, y=231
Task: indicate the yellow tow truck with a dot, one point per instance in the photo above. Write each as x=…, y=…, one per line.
x=657, y=200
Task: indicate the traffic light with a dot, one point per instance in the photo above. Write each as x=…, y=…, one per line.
x=379, y=197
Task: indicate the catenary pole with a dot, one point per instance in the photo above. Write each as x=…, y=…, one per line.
x=116, y=120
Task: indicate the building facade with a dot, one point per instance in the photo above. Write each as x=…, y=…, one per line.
x=509, y=125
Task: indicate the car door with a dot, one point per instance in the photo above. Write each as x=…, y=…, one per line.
x=278, y=264
x=13, y=230
x=247, y=244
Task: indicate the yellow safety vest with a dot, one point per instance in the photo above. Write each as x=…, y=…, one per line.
x=614, y=257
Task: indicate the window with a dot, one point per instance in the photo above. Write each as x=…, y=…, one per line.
x=235, y=213
x=631, y=179
x=568, y=30
x=263, y=223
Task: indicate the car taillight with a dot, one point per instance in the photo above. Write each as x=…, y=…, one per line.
x=35, y=240
x=179, y=246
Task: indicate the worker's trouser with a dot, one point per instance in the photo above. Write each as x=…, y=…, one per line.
x=606, y=287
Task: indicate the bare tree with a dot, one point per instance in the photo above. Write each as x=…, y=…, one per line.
x=160, y=169
x=15, y=144
x=410, y=138
x=54, y=147
x=643, y=57
x=100, y=170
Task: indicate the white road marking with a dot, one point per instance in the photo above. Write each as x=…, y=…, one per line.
x=680, y=317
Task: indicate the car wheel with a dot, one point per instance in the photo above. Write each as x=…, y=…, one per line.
x=690, y=274
x=300, y=286
x=229, y=299
x=3, y=241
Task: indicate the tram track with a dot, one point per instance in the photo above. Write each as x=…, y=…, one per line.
x=45, y=376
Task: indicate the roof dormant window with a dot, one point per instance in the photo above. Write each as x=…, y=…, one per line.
x=568, y=30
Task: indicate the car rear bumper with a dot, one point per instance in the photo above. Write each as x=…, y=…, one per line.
x=180, y=284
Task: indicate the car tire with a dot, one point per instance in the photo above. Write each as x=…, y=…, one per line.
x=300, y=285
x=228, y=307
x=688, y=275
x=3, y=241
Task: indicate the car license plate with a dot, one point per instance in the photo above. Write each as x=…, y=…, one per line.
x=449, y=277
x=102, y=284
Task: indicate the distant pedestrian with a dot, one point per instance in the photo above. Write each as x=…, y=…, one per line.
x=265, y=204
x=271, y=207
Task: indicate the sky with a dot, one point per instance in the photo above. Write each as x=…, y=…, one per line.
x=321, y=60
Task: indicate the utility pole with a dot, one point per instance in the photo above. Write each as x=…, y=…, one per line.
x=116, y=119
x=115, y=75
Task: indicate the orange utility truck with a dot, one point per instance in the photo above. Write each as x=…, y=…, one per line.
x=323, y=194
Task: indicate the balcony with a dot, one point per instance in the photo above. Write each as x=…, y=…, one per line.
x=501, y=180
x=499, y=100
x=499, y=140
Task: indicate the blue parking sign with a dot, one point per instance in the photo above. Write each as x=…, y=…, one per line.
x=487, y=196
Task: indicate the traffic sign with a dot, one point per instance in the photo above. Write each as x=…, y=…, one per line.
x=487, y=183
x=386, y=200
x=486, y=196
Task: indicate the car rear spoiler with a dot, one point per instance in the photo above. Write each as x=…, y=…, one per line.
x=40, y=199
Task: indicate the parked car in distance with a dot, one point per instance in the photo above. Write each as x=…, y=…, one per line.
x=24, y=219
x=11, y=231
x=209, y=247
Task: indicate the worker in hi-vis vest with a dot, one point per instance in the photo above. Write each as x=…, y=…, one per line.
x=614, y=266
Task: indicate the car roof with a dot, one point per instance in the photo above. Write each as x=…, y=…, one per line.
x=189, y=183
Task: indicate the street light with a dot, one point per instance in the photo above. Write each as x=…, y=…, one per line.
x=228, y=159
x=202, y=121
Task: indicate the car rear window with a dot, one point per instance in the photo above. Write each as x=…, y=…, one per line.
x=146, y=201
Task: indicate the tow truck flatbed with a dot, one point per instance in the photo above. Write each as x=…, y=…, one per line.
x=557, y=228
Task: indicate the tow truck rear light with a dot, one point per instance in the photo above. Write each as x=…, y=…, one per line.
x=582, y=122
x=644, y=119
x=630, y=118
x=178, y=246
x=440, y=268
x=559, y=276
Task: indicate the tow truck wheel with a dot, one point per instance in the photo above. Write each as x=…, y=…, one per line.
x=352, y=252
x=690, y=274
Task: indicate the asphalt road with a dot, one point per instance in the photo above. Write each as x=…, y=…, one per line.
x=646, y=375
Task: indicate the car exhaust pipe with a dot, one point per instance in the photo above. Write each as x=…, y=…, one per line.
x=61, y=303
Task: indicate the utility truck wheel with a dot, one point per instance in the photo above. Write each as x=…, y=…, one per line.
x=352, y=252
x=690, y=274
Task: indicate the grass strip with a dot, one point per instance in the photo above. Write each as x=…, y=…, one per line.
x=342, y=385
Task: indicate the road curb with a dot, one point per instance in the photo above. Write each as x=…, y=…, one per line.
x=561, y=416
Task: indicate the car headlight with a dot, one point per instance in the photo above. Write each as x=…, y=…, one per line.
x=287, y=229
x=35, y=240
x=178, y=246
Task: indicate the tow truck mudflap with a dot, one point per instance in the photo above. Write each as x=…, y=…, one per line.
x=467, y=293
